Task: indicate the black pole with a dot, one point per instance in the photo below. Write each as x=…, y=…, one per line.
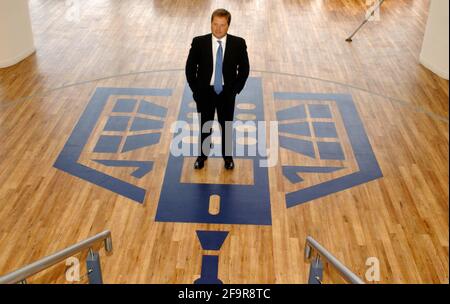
x=349, y=39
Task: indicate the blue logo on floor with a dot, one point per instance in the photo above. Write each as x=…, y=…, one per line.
x=313, y=130
x=116, y=123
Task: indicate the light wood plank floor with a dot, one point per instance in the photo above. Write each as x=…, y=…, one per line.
x=294, y=46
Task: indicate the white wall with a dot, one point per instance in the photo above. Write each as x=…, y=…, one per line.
x=16, y=37
x=435, y=50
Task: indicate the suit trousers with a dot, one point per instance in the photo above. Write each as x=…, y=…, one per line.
x=208, y=103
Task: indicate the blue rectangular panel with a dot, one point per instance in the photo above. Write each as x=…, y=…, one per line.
x=300, y=128
x=325, y=130
x=292, y=113
x=117, y=123
x=125, y=105
x=330, y=150
x=108, y=144
x=319, y=111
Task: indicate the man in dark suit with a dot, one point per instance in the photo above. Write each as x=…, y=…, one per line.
x=216, y=70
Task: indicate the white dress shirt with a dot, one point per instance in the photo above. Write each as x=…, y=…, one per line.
x=215, y=47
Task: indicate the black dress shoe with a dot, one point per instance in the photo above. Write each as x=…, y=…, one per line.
x=229, y=164
x=199, y=163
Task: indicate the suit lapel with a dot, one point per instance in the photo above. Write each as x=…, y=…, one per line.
x=228, y=49
x=210, y=58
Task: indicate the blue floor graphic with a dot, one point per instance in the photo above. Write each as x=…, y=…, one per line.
x=210, y=270
x=240, y=204
x=67, y=160
x=143, y=167
x=210, y=240
x=292, y=172
x=368, y=166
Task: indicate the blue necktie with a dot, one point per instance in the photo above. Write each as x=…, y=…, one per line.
x=218, y=76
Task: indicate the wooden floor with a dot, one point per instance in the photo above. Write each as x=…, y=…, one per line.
x=401, y=219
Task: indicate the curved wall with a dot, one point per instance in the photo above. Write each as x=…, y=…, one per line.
x=435, y=52
x=16, y=37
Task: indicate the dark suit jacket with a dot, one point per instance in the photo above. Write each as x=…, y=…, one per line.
x=199, y=65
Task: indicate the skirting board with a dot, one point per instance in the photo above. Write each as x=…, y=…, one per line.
x=440, y=72
x=12, y=61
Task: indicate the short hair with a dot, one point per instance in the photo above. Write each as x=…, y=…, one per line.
x=221, y=12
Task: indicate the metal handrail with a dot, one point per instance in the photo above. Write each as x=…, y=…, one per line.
x=346, y=273
x=23, y=273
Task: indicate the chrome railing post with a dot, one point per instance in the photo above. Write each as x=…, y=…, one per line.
x=307, y=252
x=324, y=254
x=23, y=273
x=316, y=271
x=108, y=244
x=94, y=267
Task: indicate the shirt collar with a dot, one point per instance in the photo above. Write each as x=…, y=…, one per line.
x=223, y=39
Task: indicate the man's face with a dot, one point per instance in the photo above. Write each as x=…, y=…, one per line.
x=219, y=27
